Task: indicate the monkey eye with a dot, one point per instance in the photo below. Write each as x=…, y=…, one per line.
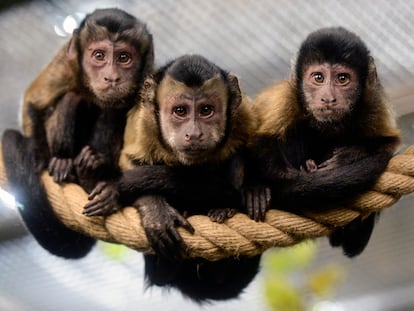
x=99, y=55
x=343, y=78
x=180, y=111
x=124, y=58
x=206, y=110
x=318, y=77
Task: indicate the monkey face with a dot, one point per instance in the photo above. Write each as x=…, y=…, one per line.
x=330, y=91
x=110, y=70
x=192, y=121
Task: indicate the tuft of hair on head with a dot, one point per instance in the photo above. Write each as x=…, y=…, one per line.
x=193, y=70
x=334, y=45
x=115, y=24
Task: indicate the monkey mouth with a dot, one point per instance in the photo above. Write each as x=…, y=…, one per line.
x=113, y=90
x=323, y=112
x=328, y=114
x=192, y=152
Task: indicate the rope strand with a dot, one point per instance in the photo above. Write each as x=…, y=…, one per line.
x=239, y=235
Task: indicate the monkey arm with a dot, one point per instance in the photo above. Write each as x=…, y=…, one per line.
x=60, y=135
x=187, y=183
x=343, y=176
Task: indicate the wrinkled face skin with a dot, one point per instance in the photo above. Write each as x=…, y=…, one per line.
x=109, y=71
x=192, y=120
x=330, y=91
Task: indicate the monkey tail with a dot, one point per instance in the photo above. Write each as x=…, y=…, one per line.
x=34, y=207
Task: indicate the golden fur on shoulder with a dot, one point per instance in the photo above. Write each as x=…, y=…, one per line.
x=56, y=79
x=277, y=109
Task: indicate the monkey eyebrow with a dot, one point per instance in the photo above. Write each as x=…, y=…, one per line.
x=195, y=97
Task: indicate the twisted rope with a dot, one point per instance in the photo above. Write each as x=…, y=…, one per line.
x=239, y=235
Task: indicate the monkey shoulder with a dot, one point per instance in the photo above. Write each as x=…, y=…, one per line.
x=56, y=79
x=276, y=109
x=141, y=140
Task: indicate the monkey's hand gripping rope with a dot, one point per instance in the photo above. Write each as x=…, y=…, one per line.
x=239, y=235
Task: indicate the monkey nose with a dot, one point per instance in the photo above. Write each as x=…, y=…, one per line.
x=328, y=100
x=194, y=137
x=112, y=79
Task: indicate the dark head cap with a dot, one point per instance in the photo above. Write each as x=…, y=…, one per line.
x=193, y=70
x=334, y=45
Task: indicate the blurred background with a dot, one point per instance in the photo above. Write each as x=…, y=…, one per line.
x=256, y=40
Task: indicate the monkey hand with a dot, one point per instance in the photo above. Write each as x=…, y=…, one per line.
x=310, y=166
x=88, y=161
x=340, y=157
x=60, y=169
x=103, y=200
x=256, y=201
x=221, y=214
x=160, y=221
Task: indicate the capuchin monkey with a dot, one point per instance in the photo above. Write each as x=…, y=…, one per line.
x=74, y=115
x=325, y=135
x=180, y=158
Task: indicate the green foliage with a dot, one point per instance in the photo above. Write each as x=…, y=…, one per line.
x=290, y=282
x=283, y=296
x=114, y=251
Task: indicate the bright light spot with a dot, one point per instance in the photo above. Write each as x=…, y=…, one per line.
x=7, y=199
x=65, y=26
x=59, y=31
x=328, y=306
x=69, y=24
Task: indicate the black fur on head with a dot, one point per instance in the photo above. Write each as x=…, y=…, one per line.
x=195, y=70
x=192, y=70
x=114, y=24
x=334, y=45
x=115, y=20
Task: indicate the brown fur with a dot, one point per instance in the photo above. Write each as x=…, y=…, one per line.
x=59, y=77
x=142, y=143
x=62, y=74
x=277, y=109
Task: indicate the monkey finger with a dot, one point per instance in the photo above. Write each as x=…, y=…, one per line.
x=51, y=165
x=257, y=205
x=249, y=203
x=96, y=162
x=163, y=245
x=67, y=168
x=94, y=208
x=58, y=171
x=263, y=206
x=99, y=210
x=98, y=189
x=100, y=207
x=231, y=212
x=182, y=222
x=92, y=211
x=217, y=216
x=179, y=246
x=87, y=164
x=84, y=154
x=268, y=194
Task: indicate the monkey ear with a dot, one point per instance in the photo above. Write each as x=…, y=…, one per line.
x=72, y=50
x=148, y=91
x=235, y=93
x=372, y=78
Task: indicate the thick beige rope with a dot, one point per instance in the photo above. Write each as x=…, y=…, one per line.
x=239, y=235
